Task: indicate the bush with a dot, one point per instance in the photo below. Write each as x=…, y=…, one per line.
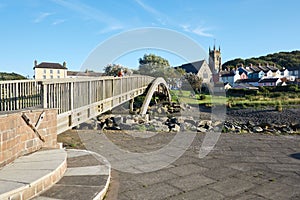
x=279, y=106
x=202, y=97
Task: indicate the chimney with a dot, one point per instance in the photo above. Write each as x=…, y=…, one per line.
x=259, y=65
x=251, y=65
x=35, y=63
x=64, y=64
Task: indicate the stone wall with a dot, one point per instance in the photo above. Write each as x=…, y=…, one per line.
x=17, y=138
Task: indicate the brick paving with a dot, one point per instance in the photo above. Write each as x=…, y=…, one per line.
x=246, y=166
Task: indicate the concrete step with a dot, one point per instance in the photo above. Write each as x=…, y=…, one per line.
x=87, y=177
x=32, y=174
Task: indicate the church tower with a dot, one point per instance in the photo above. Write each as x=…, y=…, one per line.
x=215, y=63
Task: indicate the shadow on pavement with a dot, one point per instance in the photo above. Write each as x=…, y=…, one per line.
x=295, y=155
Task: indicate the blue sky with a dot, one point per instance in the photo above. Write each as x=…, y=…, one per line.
x=65, y=30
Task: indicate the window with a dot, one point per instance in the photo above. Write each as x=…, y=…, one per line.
x=51, y=76
x=58, y=71
x=58, y=76
x=205, y=75
x=45, y=71
x=51, y=71
x=296, y=73
x=44, y=77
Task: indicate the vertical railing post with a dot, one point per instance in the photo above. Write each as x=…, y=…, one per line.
x=71, y=96
x=44, y=95
x=89, y=92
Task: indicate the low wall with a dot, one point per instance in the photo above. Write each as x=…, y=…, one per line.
x=17, y=138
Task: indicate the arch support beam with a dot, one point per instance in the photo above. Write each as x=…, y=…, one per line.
x=154, y=85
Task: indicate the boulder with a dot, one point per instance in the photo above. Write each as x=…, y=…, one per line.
x=201, y=129
x=175, y=128
x=258, y=129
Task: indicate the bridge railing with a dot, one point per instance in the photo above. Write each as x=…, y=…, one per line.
x=19, y=94
x=65, y=94
x=73, y=93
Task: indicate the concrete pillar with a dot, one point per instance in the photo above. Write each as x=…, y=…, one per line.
x=131, y=101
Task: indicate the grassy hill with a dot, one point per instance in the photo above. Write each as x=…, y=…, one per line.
x=281, y=59
x=11, y=76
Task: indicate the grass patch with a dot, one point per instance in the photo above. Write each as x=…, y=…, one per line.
x=277, y=100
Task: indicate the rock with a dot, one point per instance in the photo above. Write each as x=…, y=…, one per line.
x=162, y=128
x=124, y=126
x=287, y=129
x=176, y=128
x=130, y=121
x=190, y=121
x=201, y=129
x=257, y=129
x=205, y=123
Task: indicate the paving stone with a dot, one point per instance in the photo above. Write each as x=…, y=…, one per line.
x=221, y=173
x=83, y=180
x=155, y=192
x=276, y=190
x=258, y=176
x=82, y=161
x=248, y=197
x=203, y=194
x=231, y=186
x=154, y=177
x=283, y=167
x=190, y=182
x=184, y=170
x=71, y=192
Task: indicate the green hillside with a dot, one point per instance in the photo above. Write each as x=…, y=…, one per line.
x=10, y=76
x=281, y=59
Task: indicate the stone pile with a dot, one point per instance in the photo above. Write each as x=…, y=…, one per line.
x=251, y=127
x=165, y=118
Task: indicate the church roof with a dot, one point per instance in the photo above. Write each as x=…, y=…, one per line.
x=192, y=67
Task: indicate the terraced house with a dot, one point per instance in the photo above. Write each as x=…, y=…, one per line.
x=258, y=76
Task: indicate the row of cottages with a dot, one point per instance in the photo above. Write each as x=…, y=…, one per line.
x=257, y=76
x=50, y=70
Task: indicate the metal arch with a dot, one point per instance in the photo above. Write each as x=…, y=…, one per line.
x=158, y=81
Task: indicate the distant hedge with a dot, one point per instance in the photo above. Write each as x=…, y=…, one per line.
x=241, y=92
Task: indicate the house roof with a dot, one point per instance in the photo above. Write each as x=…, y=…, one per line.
x=48, y=65
x=245, y=86
x=228, y=74
x=294, y=68
x=192, y=67
x=268, y=80
x=89, y=73
x=248, y=80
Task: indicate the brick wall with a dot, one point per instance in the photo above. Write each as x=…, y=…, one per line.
x=17, y=138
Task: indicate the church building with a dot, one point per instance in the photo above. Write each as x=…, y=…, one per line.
x=206, y=70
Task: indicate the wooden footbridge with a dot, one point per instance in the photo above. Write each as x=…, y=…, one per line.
x=77, y=99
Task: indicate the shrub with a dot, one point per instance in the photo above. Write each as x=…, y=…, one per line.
x=202, y=97
x=279, y=106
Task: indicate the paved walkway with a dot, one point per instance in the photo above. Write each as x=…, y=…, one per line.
x=87, y=177
x=239, y=167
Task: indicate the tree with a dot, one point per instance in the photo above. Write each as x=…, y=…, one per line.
x=154, y=65
x=114, y=69
x=193, y=81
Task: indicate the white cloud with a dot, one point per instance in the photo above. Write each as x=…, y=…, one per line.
x=88, y=12
x=111, y=28
x=199, y=30
x=59, y=21
x=160, y=17
x=42, y=16
x=148, y=8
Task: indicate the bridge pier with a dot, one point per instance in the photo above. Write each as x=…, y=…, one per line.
x=131, y=101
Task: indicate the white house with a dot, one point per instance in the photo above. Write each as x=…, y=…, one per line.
x=47, y=70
